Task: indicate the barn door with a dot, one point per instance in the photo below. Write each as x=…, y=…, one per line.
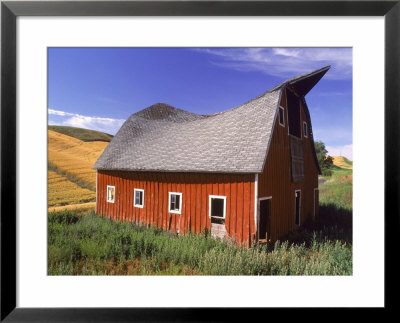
x=264, y=223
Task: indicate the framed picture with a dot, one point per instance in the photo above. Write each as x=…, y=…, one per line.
x=189, y=18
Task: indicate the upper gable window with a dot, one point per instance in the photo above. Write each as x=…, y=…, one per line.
x=175, y=202
x=110, y=194
x=139, y=197
x=305, y=129
x=282, y=116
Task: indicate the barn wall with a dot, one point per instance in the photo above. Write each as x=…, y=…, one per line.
x=195, y=189
x=276, y=179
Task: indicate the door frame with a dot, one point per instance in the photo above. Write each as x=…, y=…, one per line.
x=295, y=191
x=315, y=189
x=258, y=213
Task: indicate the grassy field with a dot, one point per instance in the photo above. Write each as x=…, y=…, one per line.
x=338, y=189
x=90, y=245
x=71, y=179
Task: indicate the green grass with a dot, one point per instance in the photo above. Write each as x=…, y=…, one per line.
x=338, y=189
x=86, y=244
x=82, y=134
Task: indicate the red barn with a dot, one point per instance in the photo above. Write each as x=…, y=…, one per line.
x=249, y=173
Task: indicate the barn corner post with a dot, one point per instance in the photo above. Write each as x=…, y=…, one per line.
x=255, y=233
x=97, y=178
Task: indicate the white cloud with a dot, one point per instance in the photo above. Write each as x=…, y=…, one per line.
x=346, y=151
x=284, y=62
x=107, y=125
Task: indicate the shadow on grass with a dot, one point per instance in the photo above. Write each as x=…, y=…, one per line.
x=333, y=223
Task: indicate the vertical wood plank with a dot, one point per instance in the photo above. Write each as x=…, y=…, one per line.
x=246, y=211
x=193, y=204
x=203, y=217
x=251, y=217
x=239, y=222
x=198, y=203
x=233, y=203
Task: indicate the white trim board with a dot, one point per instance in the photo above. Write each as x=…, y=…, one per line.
x=255, y=201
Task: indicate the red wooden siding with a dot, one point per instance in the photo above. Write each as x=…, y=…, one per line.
x=195, y=188
x=276, y=179
x=240, y=192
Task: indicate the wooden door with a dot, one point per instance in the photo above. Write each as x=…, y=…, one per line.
x=264, y=229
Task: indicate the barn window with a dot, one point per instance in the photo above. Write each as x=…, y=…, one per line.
x=217, y=209
x=305, y=129
x=282, y=116
x=139, y=197
x=110, y=194
x=175, y=202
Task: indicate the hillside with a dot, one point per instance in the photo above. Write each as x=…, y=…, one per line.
x=71, y=179
x=82, y=134
x=342, y=162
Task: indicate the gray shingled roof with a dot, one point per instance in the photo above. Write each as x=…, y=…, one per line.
x=164, y=138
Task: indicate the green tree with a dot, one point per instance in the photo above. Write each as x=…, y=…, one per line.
x=325, y=161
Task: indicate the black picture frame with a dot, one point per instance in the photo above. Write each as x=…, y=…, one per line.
x=10, y=10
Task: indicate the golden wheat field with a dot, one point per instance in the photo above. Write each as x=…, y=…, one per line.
x=74, y=158
x=71, y=179
x=62, y=191
x=341, y=162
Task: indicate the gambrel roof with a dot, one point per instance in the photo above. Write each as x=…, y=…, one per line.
x=164, y=138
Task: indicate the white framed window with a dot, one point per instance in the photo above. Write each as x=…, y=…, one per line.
x=175, y=202
x=138, y=197
x=305, y=129
x=282, y=116
x=110, y=194
x=217, y=208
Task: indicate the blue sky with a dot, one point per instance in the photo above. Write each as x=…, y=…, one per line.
x=99, y=88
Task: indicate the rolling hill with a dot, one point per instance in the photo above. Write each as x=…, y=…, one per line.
x=342, y=162
x=82, y=134
x=71, y=179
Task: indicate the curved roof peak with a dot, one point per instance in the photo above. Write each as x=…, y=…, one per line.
x=305, y=82
x=162, y=111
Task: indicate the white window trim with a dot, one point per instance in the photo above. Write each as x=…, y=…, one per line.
x=134, y=197
x=108, y=201
x=295, y=208
x=258, y=213
x=279, y=118
x=306, y=134
x=209, y=205
x=169, y=203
